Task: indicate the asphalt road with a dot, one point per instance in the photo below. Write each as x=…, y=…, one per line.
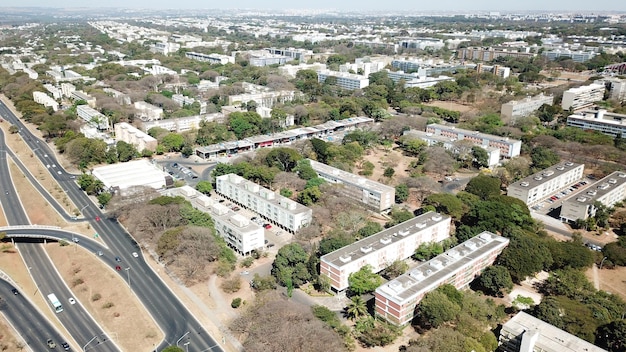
x=178, y=324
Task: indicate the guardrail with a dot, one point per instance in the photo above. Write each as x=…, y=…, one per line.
x=19, y=227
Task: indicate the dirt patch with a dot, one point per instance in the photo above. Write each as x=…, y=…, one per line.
x=8, y=340
x=383, y=158
x=448, y=105
x=611, y=280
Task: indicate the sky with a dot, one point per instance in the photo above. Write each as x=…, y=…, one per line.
x=346, y=5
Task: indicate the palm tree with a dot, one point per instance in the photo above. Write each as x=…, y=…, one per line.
x=356, y=308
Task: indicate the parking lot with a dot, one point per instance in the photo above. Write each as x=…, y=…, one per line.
x=556, y=200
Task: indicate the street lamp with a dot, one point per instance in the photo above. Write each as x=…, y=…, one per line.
x=602, y=262
x=186, y=344
x=83, y=208
x=185, y=334
x=128, y=274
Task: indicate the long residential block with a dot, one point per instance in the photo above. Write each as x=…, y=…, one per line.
x=607, y=191
x=525, y=107
x=582, y=97
x=380, y=250
x=600, y=120
x=397, y=299
x=509, y=148
x=373, y=194
x=534, y=188
x=131, y=135
x=282, y=211
x=345, y=80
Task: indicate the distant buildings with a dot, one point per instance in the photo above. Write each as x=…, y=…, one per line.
x=535, y=188
x=607, y=191
x=211, y=58
x=292, y=70
x=526, y=107
x=509, y=148
x=582, y=97
x=344, y=80
x=45, y=100
x=396, y=300
x=281, y=211
x=500, y=71
x=93, y=117
x=266, y=99
x=292, y=53
x=131, y=135
x=147, y=111
x=525, y=333
x=490, y=54
x=599, y=120
x=183, y=124
x=380, y=250
x=418, y=79
x=576, y=56
x=78, y=95
x=372, y=194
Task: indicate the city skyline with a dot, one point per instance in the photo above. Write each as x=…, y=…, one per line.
x=350, y=5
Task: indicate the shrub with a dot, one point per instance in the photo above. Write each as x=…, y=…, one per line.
x=77, y=281
x=108, y=305
x=96, y=297
x=236, y=303
x=231, y=285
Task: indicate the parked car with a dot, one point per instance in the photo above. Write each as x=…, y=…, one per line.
x=267, y=226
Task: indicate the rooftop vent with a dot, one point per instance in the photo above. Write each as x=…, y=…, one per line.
x=485, y=236
x=403, y=233
x=569, y=163
x=436, y=217
x=385, y=240
x=612, y=181
x=437, y=264
x=560, y=168
x=538, y=178
x=366, y=249
x=417, y=274
x=470, y=245
x=345, y=258
x=621, y=174
x=524, y=184
x=604, y=186
x=420, y=225
x=548, y=173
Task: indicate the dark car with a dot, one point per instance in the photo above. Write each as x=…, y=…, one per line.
x=118, y=259
x=15, y=291
x=66, y=346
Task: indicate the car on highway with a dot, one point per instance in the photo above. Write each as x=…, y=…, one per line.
x=51, y=344
x=15, y=291
x=118, y=259
x=71, y=300
x=99, y=253
x=267, y=226
x=66, y=346
x=118, y=268
x=75, y=239
x=135, y=254
x=97, y=218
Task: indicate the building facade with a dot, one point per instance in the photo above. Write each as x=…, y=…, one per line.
x=509, y=148
x=599, y=120
x=372, y=194
x=380, y=250
x=45, y=100
x=535, y=188
x=92, y=117
x=279, y=210
x=211, y=58
x=147, y=111
x=607, y=191
x=131, y=135
x=397, y=299
x=344, y=80
x=521, y=108
x=582, y=97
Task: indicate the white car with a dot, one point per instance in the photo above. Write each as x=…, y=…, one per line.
x=72, y=300
x=135, y=254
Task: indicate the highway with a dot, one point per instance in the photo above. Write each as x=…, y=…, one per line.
x=178, y=324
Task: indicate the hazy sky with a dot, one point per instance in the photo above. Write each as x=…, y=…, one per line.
x=412, y=5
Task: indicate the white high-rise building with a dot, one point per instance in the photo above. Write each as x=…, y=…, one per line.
x=344, y=80
x=582, y=97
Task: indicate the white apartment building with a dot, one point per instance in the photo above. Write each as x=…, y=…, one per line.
x=80, y=95
x=576, y=56
x=240, y=233
x=282, y=211
x=120, y=98
x=490, y=54
x=211, y=58
x=608, y=191
x=535, y=188
x=292, y=53
x=183, y=100
x=160, y=70
x=56, y=92
x=362, y=67
x=396, y=300
x=164, y=48
x=183, y=124
x=582, y=97
x=421, y=43
x=419, y=79
x=372, y=194
x=45, y=100
x=525, y=333
x=521, y=108
x=92, y=117
x=509, y=148
x=263, y=99
x=380, y=250
x=291, y=70
x=67, y=89
x=147, y=111
x=599, y=120
x=264, y=58
x=344, y=80
x=127, y=133
x=618, y=91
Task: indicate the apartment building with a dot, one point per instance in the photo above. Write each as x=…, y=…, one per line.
x=292, y=53
x=77, y=95
x=509, y=148
x=240, y=233
x=183, y=124
x=535, y=188
x=421, y=43
x=131, y=135
x=45, y=100
x=419, y=79
x=279, y=210
x=264, y=58
x=608, y=191
x=67, y=89
x=500, y=71
x=344, y=80
x=182, y=100
x=582, y=97
x=599, y=120
x=372, y=194
x=164, y=48
x=211, y=58
x=525, y=333
x=264, y=99
x=292, y=70
x=396, y=300
x=380, y=250
x=92, y=117
x=618, y=91
x=493, y=154
x=56, y=92
x=120, y=98
x=576, y=56
x=147, y=111
x=521, y=108
x=490, y=54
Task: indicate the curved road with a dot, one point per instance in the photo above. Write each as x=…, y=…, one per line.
x=172, y=316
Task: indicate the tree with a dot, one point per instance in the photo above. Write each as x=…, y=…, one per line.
x=484, y=186
x=543, y=157
x=612, y=336
x=356, y=308
x=496, y=280
x=413, y=146
x=402, y=193
x=389, y=172
x=369, y=229
x=290, y=265
x=525, y=256
x=285, y=159
x=395, y=269
x=309, y=195
x=426, y=251
x=173, y=142
x=446, y=203
x=204, y=187
x=480, y=157
x=364, y=281
x=173, y=349
x=436, y=309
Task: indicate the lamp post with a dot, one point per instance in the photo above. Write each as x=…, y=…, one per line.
x=83, y=208
x=602, y=262
x=186, y=344
x=88, y=342
x=128, y=275
x=185, y=334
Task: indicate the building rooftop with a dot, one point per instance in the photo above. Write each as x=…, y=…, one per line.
x=351, y=178
x=428, y=275
x=476, y=134
x=551, y=338
x=601, y=116
x=599, y=189
x=543, y=176
x=132, y=173
x=583, y=89
x=358, y=249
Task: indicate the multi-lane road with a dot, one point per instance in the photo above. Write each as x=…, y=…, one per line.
x=178, y=324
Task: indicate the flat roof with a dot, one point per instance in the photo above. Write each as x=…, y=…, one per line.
x=600, y=116
x=546, y=175
x=586, y=88
x=387, y=237
x=599, y=189
x=350, y=178
x=426, y=276
x=551, y=338
x=469, y=133
x=133, y=173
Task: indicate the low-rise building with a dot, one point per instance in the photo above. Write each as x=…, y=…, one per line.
x=183, y=124
x=599, y=120
x=582, y=97
x=67, y=89
x=93, y=117
x=137, y=173
x=344, y=80
x=509, y=148
x=525, y=333
x=608, y=191
x=77, y=95
x=211, y=58
x=380, y=250
x=535, y=188
x=45, y=100
x=372, y=194
x=490, y=54
x=127, y=133
x=183, y=100
x=56, y=92
x=120, y=98
x=521, y=108
x=264, y=99
x=576, y=56
x=292, y=53
x=279, y=210
x=292, y=70
x=147, y=111
x=396, y=300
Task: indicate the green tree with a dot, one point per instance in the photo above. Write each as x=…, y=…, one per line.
x=364, y=281
x=496, y=280
x=173, y=349
x=543, y=157
x=104, y=198
x=356, y=308
x=204, y=187
x=612, y=336
x=309, y=195
x=173, y=142
x=427, y=251
x=525, y=256
x=369, y=229
x=436, y=309
x=446, y=203
x=286, y=159
x=402, y=193
x=395, y=269
x=290, y=265
x=389, y=172
x=413, y=146
x=126, y=151
x=480, y=157
x=484, y=186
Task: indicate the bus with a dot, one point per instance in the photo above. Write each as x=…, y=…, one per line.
x=55, y=303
